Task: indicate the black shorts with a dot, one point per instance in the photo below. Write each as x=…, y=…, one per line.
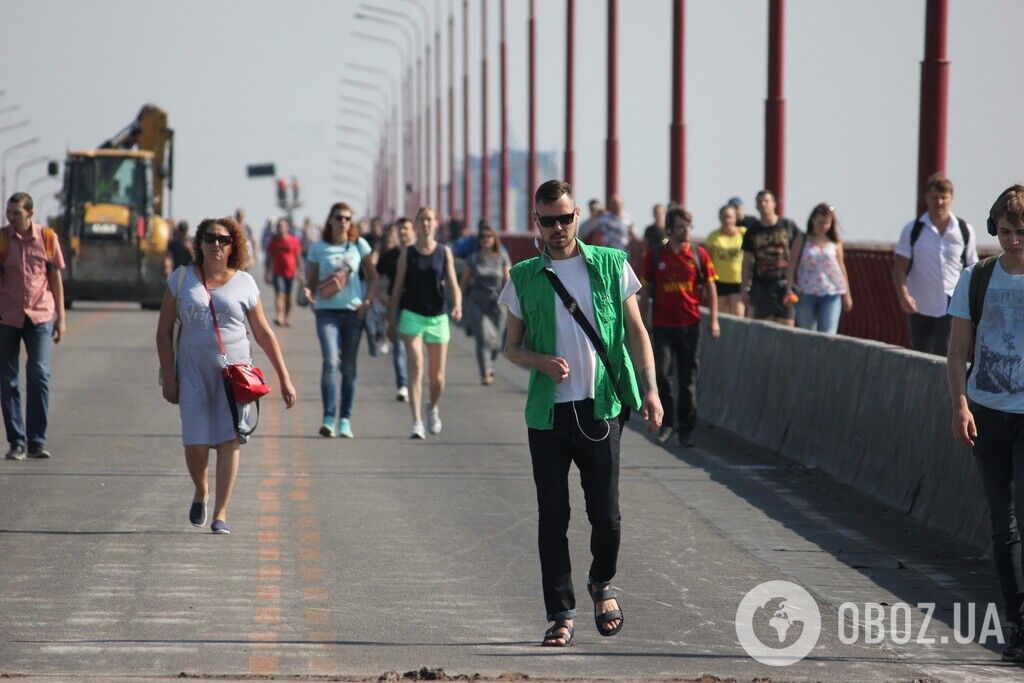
x=767, y=297
x=727, y=288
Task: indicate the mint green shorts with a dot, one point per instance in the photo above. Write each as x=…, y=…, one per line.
x=433, y=328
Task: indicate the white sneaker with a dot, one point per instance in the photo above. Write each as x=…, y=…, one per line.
x=417, y=431
x=402, y=395
x=384, y=347
x=434, y=420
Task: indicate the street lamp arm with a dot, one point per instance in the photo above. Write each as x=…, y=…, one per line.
x=414, y=33
x=393, y=24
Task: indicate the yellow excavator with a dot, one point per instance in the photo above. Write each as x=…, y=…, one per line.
x=111, y=226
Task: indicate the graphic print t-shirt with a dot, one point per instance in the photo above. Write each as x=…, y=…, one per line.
x=997, y=380
x=770, y=246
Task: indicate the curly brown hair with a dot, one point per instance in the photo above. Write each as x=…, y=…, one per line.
x=239, y=258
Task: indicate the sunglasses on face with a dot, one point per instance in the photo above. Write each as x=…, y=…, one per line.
x=341, y=217
x=549, y=221
x=212, y=237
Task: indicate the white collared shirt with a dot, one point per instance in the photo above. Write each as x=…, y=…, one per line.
x=937, y=264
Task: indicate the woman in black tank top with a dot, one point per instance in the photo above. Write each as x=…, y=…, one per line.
x=424, y=268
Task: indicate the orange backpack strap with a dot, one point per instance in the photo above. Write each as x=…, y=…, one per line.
x=49, y=243
x=3, y=246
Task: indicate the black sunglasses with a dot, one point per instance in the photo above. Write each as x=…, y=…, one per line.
x=211, y=237
x=341, y=217
x=549, y=221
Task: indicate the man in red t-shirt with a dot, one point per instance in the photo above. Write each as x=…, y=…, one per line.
x=670, y=275
x=283, y=252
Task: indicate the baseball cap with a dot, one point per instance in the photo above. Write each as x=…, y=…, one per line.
x=735, y=201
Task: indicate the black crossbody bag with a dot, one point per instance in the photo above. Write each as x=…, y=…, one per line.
x=595, y=339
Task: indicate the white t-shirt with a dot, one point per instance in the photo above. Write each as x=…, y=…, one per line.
x=997, y=380
x=570, y=341
x=937, y=264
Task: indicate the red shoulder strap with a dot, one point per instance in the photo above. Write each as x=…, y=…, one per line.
x=213, y=311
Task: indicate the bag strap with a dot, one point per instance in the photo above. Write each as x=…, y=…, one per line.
x=233, y=405
x=980, y=277
x=577, y=313
x=915, y=232
x=965, y=234
x=213, y=312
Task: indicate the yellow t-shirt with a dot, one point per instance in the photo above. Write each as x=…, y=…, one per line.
x=727, y=254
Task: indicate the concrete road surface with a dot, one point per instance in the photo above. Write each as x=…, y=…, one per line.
x=355, y=558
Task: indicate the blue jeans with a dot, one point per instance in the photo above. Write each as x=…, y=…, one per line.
x=38, y=344
x=819, y=313
x=339, y=332
x=399, y=359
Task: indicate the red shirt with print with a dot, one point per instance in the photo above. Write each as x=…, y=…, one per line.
x=284, y=253
x=677, y=297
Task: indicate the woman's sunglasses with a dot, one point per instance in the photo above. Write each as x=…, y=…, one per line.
x=549, y=221
x=212, y=237
x=341, y=217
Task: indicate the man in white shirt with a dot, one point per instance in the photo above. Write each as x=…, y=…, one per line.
x=617, y=226
x=932, y=252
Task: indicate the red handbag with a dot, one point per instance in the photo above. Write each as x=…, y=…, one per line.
x=243, y=382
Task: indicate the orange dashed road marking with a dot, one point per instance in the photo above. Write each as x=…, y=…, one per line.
x=310, y=554
x=317, y=616
x=270, y=554
x=268, y=521
x=311, y=574
x=314, y=593
x=309, y=537
x=302, y=483
x=266, y=495
x=266, y=536
x=267, y=593
x=270, y=571
x=263, y=664
x=267, y=615
x=270, y=506
x=300, y=494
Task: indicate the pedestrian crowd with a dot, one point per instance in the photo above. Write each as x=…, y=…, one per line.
x=600, y=338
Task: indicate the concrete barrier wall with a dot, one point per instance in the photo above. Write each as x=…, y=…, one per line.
x=871, y=415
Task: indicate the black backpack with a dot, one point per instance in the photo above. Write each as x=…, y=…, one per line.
x=980, y=277
x=915, y=232
x=652, y=267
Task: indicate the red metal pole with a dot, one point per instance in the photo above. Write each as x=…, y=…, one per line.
x=504, y=124
x=485, y=175
x=611, y=154
x=418, y=143
x=467, y=183
x=531, y=156
x=451, y=114
x=931, y=146
x=437, y=129
x=428, y=184
x=775, y=107
x=677, y=134
x=569, y=171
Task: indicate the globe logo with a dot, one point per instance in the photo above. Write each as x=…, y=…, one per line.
x=778, y=623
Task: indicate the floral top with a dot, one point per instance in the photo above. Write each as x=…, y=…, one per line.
x=819, y=273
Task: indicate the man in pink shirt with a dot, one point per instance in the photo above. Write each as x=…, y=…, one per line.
x=31, y=311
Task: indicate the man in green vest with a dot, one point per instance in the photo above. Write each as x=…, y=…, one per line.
x=574, y=405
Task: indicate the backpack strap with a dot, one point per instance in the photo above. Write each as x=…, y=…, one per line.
x=697, y=263
x=980, y=277
x=965, y=234
x=915, y=232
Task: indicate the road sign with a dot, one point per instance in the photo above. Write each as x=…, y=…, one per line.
x=259, y=170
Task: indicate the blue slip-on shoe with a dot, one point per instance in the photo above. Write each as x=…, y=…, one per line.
x=219, y=526
x=197, y=513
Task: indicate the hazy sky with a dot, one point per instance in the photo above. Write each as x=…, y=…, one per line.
x=261, y=80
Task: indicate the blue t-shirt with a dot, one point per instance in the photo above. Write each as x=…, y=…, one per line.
x=997, y=380
x=330, y=258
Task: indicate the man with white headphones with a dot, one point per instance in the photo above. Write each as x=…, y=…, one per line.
x=578, y=305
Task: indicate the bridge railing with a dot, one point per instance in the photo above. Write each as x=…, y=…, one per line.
x=876, y=313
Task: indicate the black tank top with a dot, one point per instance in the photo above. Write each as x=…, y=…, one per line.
x=423, y=292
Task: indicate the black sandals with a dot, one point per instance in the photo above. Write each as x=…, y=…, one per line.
x=604, y=618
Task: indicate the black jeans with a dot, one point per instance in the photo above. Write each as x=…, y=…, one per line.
x=552, y=451
x=929, y=334
x=999, y=452
x=675, y=367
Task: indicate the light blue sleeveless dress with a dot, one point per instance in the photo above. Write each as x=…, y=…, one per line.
x=203, y=406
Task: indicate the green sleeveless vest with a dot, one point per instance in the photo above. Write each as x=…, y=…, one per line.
x=537, y=300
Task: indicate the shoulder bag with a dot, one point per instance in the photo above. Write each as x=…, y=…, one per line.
x=243, y=382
